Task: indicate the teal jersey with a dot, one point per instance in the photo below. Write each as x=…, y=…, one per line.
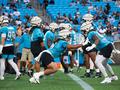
x=10, y=33
x=59, y=48
x=20, y=47
x=37, y=34
x=49, y=38
x=103, y=42
x=26, y=40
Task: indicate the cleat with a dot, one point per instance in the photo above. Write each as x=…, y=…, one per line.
x=32, y=80
x=2, y=78
x=87, y=75
x=106, y=80
x=92, y=71
x=98, y=75
x=114, y=78
x=17, y=76
x=36, y=77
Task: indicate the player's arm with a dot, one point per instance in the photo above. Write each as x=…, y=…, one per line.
x=71, y=47
x=96, y=39
x=3, y=38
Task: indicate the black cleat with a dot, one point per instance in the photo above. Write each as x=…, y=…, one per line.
x=98, y=75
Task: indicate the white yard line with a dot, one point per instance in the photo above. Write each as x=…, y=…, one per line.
x=82, y=83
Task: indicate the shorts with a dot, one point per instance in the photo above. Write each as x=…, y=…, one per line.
x=85, y=51
x=106, y=51
x=26, y=54
x=35, y=48
x=46, y=59
x=8, y=52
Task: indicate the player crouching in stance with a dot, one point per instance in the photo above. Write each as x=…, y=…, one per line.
x=47, y=56
x=104, y=47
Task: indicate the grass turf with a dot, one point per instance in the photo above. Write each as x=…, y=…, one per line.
x=59, y=81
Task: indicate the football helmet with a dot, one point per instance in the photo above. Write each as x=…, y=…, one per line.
x=35, y=21
x=64, y=33
x=86, y=26
x=88, y=17
x=53, y=26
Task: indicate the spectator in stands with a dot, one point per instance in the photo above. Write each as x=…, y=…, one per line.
x=52, y=2
x=59, y=18
x=16, y=13
x=116, y=15
x=66, y=19
x=107, y=8
x=91, y=7
x=72, y=3
x=117, y=3
x=84, y=2
x=111, y=19
x=77, y=17
x=45, y=4
x=26, y=1
x=70, y=18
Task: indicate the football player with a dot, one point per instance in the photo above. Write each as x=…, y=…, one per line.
x=47, y=56
x=8, y=35
x=104, y=47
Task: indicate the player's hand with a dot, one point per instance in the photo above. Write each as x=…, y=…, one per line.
x=90, y=47
x=80, y=49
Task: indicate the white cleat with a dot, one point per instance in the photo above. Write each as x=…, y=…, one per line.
x=106, y=80
x=2, y=78
x=114, y=78
x=18, y=76
x=36, y=77
x=32, y=80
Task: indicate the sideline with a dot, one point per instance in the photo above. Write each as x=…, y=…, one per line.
x=82, y=83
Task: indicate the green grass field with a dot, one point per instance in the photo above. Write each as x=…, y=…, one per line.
x=59, y=81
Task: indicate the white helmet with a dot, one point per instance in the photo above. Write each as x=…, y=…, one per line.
x=53, y=26
x=62, y=25
x=1, y=19
x=86, y=26
x=5, y=19
x=64, y=33
x=36, y=21
x=88, y=17
x=68, y=26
